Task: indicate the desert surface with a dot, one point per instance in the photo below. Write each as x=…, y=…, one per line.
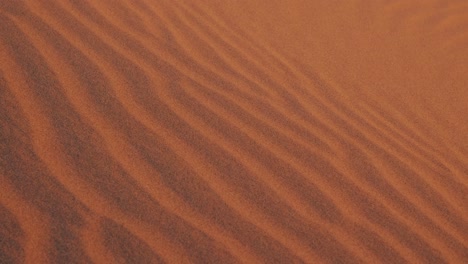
x=233, y=131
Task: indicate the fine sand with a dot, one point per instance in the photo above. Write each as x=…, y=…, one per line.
x=227, y=131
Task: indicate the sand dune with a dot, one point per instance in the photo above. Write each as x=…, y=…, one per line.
x=233, y=131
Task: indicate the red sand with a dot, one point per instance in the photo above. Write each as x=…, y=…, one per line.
x=245, y=131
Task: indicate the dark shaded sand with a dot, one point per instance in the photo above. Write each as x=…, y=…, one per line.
x=299, y=131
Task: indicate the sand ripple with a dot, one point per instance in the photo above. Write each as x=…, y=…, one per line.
x=233, y=131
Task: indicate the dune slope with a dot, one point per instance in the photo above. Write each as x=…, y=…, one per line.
x=233, y=131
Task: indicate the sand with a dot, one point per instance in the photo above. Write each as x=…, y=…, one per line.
x=299, y=131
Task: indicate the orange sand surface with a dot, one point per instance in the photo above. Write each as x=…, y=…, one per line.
x=234, y=131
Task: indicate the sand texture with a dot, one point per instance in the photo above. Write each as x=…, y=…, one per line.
x=233, y=131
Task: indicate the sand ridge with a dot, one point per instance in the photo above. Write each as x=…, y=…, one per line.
x=243, y=131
